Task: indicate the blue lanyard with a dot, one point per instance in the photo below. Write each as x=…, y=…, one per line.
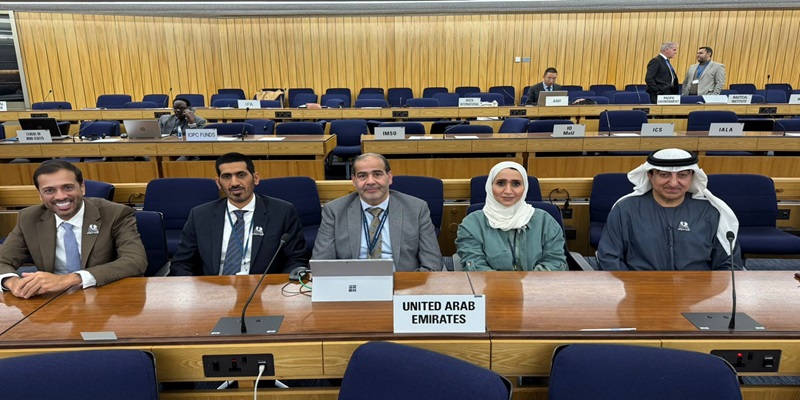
x=513, y=246
x=372, y=242
x=245, y=243
x=700, y=70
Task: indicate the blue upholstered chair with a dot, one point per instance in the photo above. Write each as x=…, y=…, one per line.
x=219, y=96
x=161, y=100
x=397, y=96
x=424, y=188
x=428, y=92
x=301, y=191
x=345, y=92
x=598, y=99
x=293, y=92
x=755, y=203
x=195, y=99
x=169, y=197
x=468, y=129
x=636, y=88
x=463, y=91
x=702, y=120
x=150, y=225
x=80, y=375
x=727, y=92
x=299, y=128
x=439, y=127
x=262, y=126
x=477, y=189
x=300, y=99
x=773, y=96
x=514, y=125
x=546, y=125
x=743, y=88
x=412, y=128
x=692, y=100
x=787, y=125
x=112, y=100
x=622, y=121
x=602, y=88
x=99, y=189
x=422, y=102
x=572, y=88
x=344, y=100
x=447, y=99
x=281, y=99
x=370, y=90
x=606, y=190
x=370, y=96
x=232, y=128
x=580, y=94
x=91, y=130
x=508, y=93
x=623, y=372
x=371, y=103
x=489, y=97
x=524, y=95
x=140, y=104
x=348, y=139
x=780, y=87
x=52, y=105
x=225, y=102
x=238, y=93
x=391, y=371
x=271, y=104
x=631, y=98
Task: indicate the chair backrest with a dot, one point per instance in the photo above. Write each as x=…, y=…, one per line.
x=546, y=125
x=702, y=120
x=447, y=99
x=99, y=129
x=302, y=98
x=751, y=197
x=424, y=188
x=218, y=96
x=344, y=98
x=83, y=374
x=112, y=100
x=231, y=128
x=463, y=91
x=524, y=94
x=225, y=102
x=631, y=98
x=271, y=104
x=441, y=126
x=489, y=97
x=455, y=129
x=195, y=99
x=372, y=96
x=293, y=92
x=692, y=100
x=412, y=128
x=508, y=93
x=773, y=96
x=514, y=125
x=602, y=88
x=140, y=104
x=397, y=96
x=785, y=87
x=371, y=90
x=2, y=132
x=622, y=120
x=162, y=100
x=301, y=191
x=728, y=91
x=239, y=93
x=635, y=88
x=639, y=372
x=422, y=102
x=262, y=126
x=787, y=125
x=169, y=196
x=571, y=88
x=428, y=92
x=598, y=99
x=150, y=225
x=477, y=189
x=281, y=99
x=99, y=189
x=743, y=88
x=52, y=105
x=299, y=128
x=606, y=190
x=361, y=103
x=580, y=94
x=348, y=95
x=348, y=131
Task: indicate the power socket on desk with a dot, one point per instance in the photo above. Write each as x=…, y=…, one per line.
x=751, y=360
x=521, y=112
x=237, y=365
x=283, y=114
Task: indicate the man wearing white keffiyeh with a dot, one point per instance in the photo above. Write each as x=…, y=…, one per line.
x=670, y=221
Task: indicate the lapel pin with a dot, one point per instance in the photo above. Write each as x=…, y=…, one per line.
x=258, y=231
x=93, y=230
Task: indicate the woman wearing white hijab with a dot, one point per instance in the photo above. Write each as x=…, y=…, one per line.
x=509, y=234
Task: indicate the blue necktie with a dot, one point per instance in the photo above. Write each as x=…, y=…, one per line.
x=71, y=247
x=671, y=70
x=233, y=256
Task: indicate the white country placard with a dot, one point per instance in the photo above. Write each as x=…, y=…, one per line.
x=201, y=135
x=740, y=98
x=663, y=129
x=794, y=99
x=556, y=101
x=390, y=132
x=569, y=130
x=249, y=104
x=469, y=102
x=715, y=99
x=34, y=136
x=3, y=106
x=726, y=129
x=668, y=99
x=439, y=313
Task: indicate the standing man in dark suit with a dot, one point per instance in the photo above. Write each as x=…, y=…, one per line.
x=238, y=234
x=376, y=222
x=72, y=241
x=548, y=84
x=661, y=77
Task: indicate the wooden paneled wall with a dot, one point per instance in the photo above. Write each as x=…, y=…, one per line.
x=83, y=56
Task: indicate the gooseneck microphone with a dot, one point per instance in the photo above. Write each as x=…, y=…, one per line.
x=284, y=239
x=49, y=92
x=608, y=122
x=513, y=100
x=78, y=133
x=732, y=324
x=166, y=101
x=244, y=124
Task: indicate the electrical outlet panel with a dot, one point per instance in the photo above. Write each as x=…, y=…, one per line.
x=238, y=365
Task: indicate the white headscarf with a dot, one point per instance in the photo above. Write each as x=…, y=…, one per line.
x=727, y=219
x=500, y=216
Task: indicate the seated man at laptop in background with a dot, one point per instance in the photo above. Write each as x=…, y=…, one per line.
x=376, y=222
x=238, y=234
x=548, y=84
x=183, y=118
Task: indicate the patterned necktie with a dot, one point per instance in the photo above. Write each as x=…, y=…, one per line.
x=233, y=256
x=671, y=70
x=71, y=248
x=373, y=230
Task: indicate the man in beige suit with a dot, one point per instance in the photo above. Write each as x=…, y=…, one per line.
x=72, y=241
x=705, y=77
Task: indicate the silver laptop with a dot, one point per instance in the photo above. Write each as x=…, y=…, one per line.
x=143, y=129
x=352, y=280
x=543, y=95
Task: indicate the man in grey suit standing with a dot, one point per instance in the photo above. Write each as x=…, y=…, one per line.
x=376, y=222
x=705, y=77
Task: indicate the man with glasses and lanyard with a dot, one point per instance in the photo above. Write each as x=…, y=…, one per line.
x=183, y=118
x=376, y=222
x=238, y=234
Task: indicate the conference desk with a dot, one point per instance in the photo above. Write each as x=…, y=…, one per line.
x=464, y=156
x=295, y=155
x=528, y=315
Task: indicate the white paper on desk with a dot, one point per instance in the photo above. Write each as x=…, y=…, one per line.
x=625, y=134
x=465, y=137
x=106, y=140
x=793, y=134
x=420, y=137
x=227, y=138
x=273, y=138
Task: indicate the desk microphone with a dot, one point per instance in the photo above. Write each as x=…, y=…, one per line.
x=732, y=324
x=78, y=133
x=166, y=101
x=766, y=91
x=513, y=100
x=48, y=96
x=608, y=122
x=242, y=134
x=638, y=95
x=449, y=127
